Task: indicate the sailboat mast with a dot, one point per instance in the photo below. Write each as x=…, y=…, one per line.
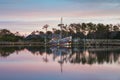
x=61, y=20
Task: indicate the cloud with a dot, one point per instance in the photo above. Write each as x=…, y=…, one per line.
x=96, y=1
x=33, y=9
x=10, y=1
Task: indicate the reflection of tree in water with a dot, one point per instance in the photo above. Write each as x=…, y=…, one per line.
x=107, y=56
x=66, y=55
x=78, y=56
x=6, y=51
x=84, y=58
x=37, y=50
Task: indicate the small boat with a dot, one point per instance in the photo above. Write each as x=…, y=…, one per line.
x=64, y=42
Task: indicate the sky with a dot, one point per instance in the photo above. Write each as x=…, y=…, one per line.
x=26, y=16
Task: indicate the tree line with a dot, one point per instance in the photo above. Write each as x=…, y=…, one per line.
x=76, y=30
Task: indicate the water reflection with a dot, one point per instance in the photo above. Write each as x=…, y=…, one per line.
x=7, y=51
x=54, y=63
x=69, y=55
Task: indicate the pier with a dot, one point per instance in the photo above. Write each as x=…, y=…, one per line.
x=96, y=42
x=21, y=44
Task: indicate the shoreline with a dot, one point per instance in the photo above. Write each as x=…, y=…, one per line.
x=81, y=42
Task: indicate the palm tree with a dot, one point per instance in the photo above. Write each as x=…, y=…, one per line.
x=115, y=28
x=45, y=27
x=91, y=27
x=17, y=34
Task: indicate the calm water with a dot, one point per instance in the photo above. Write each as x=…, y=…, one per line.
x=38, y=63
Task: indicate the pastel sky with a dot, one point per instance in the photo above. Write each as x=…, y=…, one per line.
x=28, y=15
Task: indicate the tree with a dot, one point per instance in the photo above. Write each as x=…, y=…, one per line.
x=5, y=32
x=115, y=28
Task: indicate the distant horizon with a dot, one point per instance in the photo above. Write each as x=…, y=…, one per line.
x=26, y=16
x=26, y=27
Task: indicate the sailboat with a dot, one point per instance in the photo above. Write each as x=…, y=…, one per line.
x=64, y=42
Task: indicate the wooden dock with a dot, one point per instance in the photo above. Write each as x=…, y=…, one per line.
x=21, y=43
x=97, y=42
x=81, y=42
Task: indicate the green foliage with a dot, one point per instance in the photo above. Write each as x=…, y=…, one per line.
x=83, y=30
x=7, y=36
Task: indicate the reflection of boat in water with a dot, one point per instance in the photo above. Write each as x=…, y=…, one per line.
x=62, y=54
x=58, y=51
